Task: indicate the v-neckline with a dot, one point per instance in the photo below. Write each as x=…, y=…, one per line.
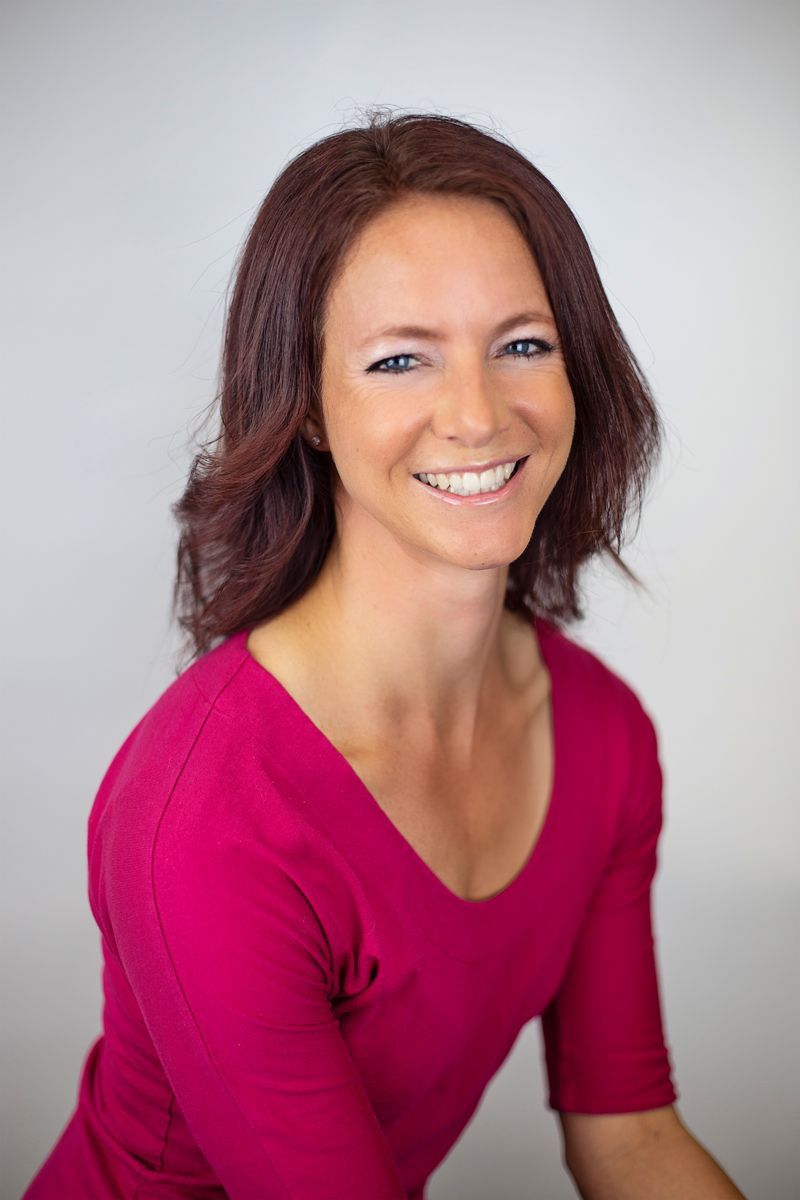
x=321, y=775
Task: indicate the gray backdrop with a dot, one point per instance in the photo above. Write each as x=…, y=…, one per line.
x=138, y=142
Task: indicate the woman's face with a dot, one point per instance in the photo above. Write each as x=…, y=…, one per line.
x=485, y=384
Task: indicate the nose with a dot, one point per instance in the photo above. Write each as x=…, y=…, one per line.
x=468, y=408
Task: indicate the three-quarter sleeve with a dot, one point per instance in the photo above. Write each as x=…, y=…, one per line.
x=231, y=968
x=603, y=1034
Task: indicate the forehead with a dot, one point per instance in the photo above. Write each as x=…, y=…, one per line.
x=432, y=252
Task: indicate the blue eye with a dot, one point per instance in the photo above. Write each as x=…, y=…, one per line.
x=542, y=347
x=391, y=370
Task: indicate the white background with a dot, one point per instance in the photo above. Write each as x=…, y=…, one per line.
x=138, y=142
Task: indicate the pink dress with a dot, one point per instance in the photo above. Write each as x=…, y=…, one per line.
x=295, y=1005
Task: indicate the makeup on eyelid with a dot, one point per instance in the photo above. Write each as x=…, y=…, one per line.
x=543, y=348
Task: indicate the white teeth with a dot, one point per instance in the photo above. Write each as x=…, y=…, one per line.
x=470, y=483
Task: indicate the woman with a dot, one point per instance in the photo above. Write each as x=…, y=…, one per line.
x=391, y=812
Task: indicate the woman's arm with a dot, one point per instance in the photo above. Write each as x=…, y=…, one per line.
x=230, y=968
x=603, y=1031
x=610, y=1072
x=656, y=1157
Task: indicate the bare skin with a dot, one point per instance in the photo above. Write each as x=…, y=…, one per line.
x=402, y=651
x=474, y=823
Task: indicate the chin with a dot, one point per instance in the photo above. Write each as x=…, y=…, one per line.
x=477, y=558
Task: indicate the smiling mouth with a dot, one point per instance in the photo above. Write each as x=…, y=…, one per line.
x=472, y=491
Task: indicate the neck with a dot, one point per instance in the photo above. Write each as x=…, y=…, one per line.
x=430, y=657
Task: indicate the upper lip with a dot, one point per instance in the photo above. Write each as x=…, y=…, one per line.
x=475, y=468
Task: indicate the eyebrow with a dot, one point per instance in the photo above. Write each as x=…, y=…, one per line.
x=420, y=331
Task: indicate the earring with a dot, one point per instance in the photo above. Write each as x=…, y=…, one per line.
x=315, y=439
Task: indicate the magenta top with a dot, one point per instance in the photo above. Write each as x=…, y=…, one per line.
x=295, y=1005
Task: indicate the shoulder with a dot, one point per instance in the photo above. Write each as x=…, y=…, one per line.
x=188, y=773
x=623, y=745
x=156, y=749
x=606, y=711
x=202, y=794
x=598, y=684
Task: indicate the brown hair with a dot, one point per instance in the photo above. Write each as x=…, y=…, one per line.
x=256, y=517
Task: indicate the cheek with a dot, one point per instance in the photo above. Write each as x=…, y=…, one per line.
x=561, y=411
x=568, y=420
x=551, y=414
x=554, y=422
x=352, y=440
x=363, y=459
x=366, y=422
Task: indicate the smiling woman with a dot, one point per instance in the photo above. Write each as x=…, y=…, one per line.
x=440, y=244
x=448, y=396
x=390, y=812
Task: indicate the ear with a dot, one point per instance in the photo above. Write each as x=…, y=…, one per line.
x=313, y=433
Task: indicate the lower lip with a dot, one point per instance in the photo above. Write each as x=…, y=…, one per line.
x=480, y=498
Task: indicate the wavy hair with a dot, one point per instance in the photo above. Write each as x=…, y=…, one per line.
x=256, y=517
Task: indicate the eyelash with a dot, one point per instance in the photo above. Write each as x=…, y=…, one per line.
x=544, y=348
